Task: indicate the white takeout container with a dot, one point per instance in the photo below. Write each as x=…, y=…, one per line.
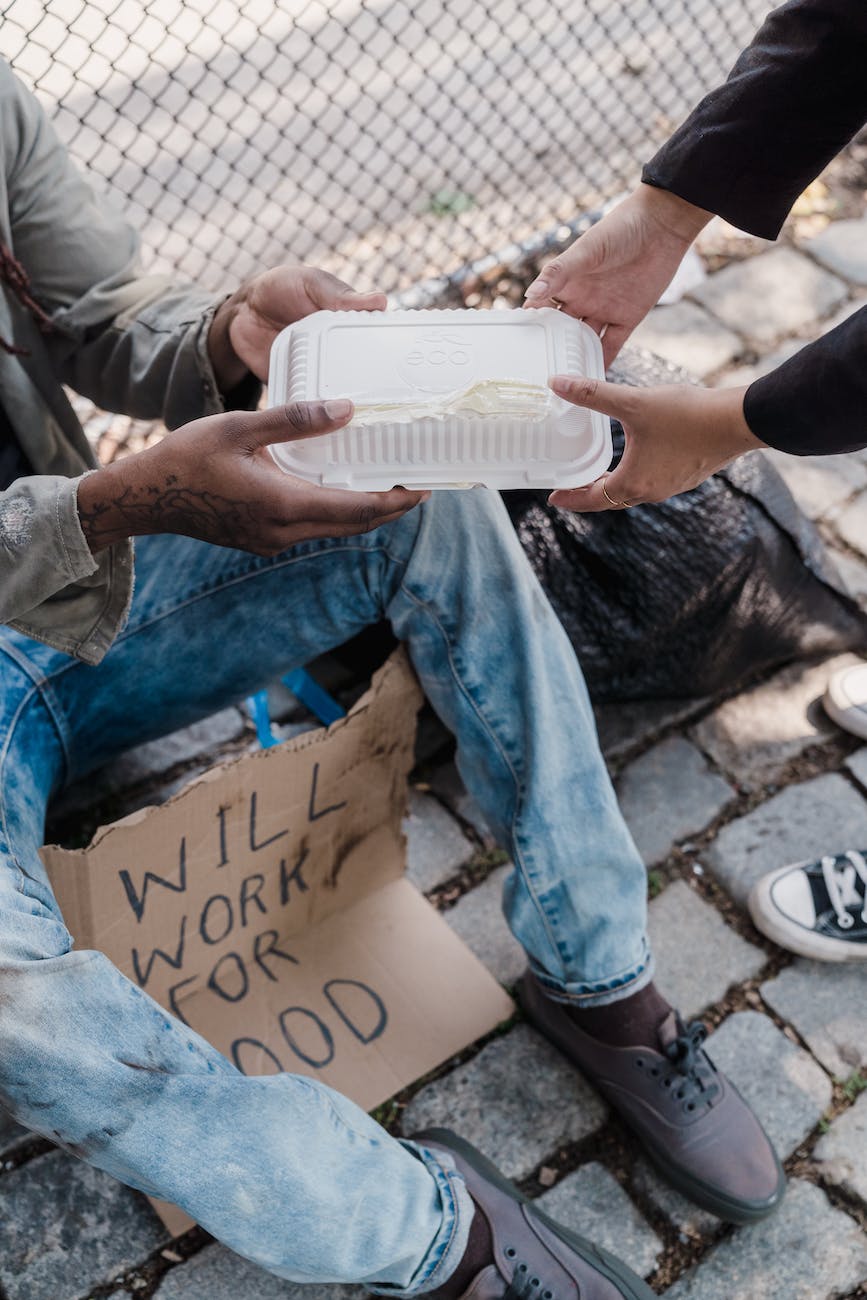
x=443, y=399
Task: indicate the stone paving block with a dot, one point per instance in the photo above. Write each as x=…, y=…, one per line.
x=688, y=336
x=857, y=765
x=839, y=316
x=741, y=376
x=592, y=1202
x=807, y=1250
x=851, y=524
x=519, y=1101
x=681, y=1213
x=219, y=1274
x=669, y=793
x=842, y=247
x=624, y=727
x=842, y=1153
x=448, y=786
x=436, y=846
x=11, y=1134
x=819, y=484
x=783, y=1084
x=149, y=761
x=65, y=1227
x=803, y=821
x=854, y=574
x=697, y=955
x=478, y=919
x=755, y=735
x=179, y=747
x=774, y=294
x=827, y=1004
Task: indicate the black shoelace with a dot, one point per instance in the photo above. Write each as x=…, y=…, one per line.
x=692, y=1078
x=845, y=879
x=691, y=1075
x=524, y=1285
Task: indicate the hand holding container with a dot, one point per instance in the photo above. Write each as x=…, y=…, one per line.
x=442, y=399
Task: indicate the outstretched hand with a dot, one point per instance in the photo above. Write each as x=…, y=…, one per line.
x=677, y=435
x=215, y=479
x=246, y=324
x=615, y=272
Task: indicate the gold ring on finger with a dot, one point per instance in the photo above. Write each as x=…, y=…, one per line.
x=618, y=505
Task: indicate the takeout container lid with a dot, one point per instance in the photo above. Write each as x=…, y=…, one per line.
x=443, y=399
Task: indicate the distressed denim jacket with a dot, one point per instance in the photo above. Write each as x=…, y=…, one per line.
x=132, y=343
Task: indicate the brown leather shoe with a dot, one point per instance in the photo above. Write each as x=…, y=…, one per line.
x=534, y=1258
x=693, y=1122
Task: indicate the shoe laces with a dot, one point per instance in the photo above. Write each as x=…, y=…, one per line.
x=692, y=1075
x=524, y=1284
x=846, y=882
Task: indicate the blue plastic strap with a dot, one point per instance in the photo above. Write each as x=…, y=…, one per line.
x=258, y=706
x=313, y=696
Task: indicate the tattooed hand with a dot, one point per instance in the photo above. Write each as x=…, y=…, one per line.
x=246, y=324
x=214, y=479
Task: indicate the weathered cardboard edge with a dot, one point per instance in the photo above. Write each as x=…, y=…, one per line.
x=397, y=663
x=78, y=911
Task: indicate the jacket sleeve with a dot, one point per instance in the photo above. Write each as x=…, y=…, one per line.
x=42, y=547
x=816, y=402
x=133, y=343
x=794, y=98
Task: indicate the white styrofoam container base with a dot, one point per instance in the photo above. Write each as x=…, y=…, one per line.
x=421, y=362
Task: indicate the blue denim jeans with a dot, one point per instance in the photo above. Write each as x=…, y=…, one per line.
x=281, y=1168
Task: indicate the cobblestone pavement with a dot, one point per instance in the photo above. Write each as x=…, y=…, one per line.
x=715, y=794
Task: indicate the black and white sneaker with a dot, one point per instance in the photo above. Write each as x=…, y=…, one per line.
x=817, y=909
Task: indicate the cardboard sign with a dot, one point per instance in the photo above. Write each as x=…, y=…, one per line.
x=265, y=906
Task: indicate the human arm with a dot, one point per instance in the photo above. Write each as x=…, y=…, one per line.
x=143, y=345
x=615, y=272
x=677, y=435
x=816, y=402
x=138, y=344
x=792, y=101
x=214, y=479
x=794, y=98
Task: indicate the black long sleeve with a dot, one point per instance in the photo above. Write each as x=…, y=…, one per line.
x=816, y=402
x=794, y=98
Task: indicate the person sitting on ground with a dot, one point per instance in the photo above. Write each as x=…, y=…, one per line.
x=247, y=572
x=794, y=98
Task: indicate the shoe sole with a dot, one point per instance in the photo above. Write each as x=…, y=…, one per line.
x=609, y=1266
x=793, y=938
x=843, y=716
x=706, y=1197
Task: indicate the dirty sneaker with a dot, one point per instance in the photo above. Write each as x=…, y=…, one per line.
x=693, y=1123
x=527, y=1256
x=817, y=909
x=845, y=699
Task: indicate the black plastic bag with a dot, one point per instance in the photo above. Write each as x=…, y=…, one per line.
x=695, y=595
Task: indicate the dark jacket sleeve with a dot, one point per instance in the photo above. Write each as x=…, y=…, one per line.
x=817, y=401
x=794, y=98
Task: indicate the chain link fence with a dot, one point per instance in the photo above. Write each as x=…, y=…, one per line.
x=390, y=142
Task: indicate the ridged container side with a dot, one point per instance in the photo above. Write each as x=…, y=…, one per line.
x=567, y=446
